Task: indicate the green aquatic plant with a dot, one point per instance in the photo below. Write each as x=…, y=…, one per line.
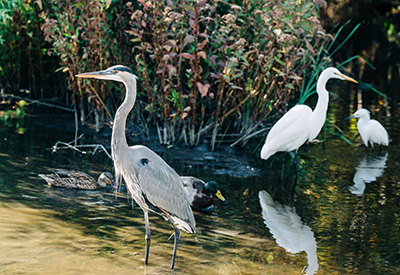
x=16, y=115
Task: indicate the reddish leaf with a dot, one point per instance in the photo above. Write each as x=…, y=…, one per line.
x=134, y=33
x=187, y=55
x=202, y=44
x=206, y=18
x=203, y=89
x=212, y=59
x=189, y=38
x=172, y=69
x=215, y=75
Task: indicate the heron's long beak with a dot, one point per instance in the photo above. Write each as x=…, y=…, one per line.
x=348, y=78
x=219, y=195
x=92, y=74
x=347, y=118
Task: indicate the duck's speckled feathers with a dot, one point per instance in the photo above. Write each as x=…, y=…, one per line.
x=70, y=179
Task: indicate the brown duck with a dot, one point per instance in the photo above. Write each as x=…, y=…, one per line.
x=76, y=179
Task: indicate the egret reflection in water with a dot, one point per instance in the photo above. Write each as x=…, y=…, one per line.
x=370, y=168
x=288, y=229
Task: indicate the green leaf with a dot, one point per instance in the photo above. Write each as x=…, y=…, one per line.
x=290, y=86
x=278, y=60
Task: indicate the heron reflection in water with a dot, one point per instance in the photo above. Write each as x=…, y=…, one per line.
x=288, y=230
x=370, y=168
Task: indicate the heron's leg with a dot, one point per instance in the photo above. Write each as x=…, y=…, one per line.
x=148, y=237
x=177, y=236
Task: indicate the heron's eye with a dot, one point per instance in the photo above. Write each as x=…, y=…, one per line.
x=115, y=71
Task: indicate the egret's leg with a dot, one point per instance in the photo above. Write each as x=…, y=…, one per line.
x=148, y=237
x=295, y=166
x=177, y=236
x=295, y=172
x=380, y=149
x=283, y=166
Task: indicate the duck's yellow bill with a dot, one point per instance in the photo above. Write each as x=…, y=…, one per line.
x=219, y=196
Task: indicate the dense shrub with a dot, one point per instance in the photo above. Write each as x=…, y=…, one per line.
x=211, y=66
x=207, y=68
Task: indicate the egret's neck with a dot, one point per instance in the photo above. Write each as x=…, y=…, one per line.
x=118, y=138
x=323, y=99
x=317, y=119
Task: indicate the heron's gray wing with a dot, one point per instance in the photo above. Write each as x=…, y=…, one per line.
x=161, y=185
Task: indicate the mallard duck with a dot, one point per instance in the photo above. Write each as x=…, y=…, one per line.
x=76, y=179
x=200, y=193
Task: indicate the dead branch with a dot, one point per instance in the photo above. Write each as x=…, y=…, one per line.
x=76, y=147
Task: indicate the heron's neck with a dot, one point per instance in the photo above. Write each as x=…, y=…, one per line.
x=118, y=138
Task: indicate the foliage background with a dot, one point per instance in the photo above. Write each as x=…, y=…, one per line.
x=209, y=70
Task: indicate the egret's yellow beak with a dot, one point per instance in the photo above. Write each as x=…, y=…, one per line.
x=348, y=78
x=219, y=196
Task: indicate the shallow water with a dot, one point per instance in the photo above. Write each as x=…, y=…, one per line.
x=334, y=223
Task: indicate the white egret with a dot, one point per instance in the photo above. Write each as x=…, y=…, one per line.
x=371, y=131
x=152, y=183
x=77, y=179
x=301, y=123
x=200, y=193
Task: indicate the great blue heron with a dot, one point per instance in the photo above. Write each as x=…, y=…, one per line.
x=301, y=123
x=371, y=131
x=200, y=193
x=77, y=179
x=152, y=183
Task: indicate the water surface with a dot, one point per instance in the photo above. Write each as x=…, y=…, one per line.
x=342, y=218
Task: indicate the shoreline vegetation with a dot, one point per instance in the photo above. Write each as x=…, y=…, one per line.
x=207, y=69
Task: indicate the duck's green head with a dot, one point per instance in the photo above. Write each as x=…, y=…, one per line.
x=213, y=188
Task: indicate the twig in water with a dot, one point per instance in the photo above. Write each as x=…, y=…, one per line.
x=75, y=147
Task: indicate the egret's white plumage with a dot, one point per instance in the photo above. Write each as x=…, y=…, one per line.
x=152, y=183
x=371, y=131
x=301, y=123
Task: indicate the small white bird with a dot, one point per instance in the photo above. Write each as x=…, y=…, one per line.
x=301, y=123
x=371, y=131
